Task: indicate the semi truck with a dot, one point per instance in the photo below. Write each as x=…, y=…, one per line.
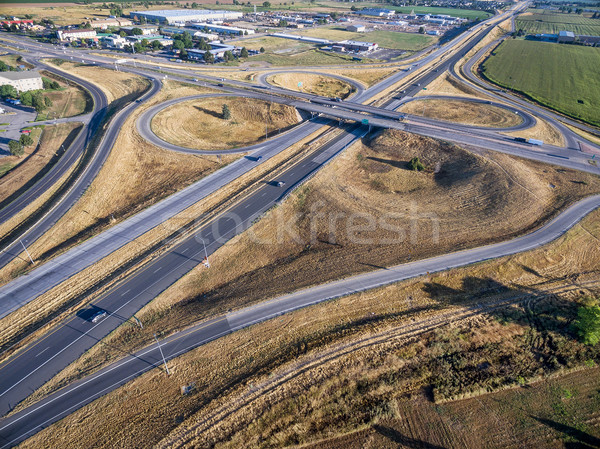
x=529, y=141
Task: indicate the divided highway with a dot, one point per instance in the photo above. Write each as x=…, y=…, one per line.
x=41, y=360
x=58, y=405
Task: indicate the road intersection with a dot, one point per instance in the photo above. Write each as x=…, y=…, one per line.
x=76, y=335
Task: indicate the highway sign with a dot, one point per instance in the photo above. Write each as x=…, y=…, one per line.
x=365, y=121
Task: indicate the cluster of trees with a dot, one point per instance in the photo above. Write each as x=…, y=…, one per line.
x=4, y=67
x=33, y=98
x=50, y=84
x=142, y=46
x=569, y=10
x=17, y=147
x=588, y=324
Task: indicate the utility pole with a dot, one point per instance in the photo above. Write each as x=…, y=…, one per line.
x=26, y=251
x=161, y=353
x=206, y=262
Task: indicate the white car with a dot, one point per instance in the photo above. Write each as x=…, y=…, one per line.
x=99, y=316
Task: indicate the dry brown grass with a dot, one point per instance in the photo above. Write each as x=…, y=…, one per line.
x=51, y=139
x=467, y=113
x=48, y=309
x=447, y=85
x=543, y=131
x=311, y=83
x=311, y=351
x=366, y=76
x=199, y=124
x=476, y=200
x=67, y=102
x=584, y=134
x=114, y=84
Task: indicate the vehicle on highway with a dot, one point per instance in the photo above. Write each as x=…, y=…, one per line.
x=220, y=84
x=99, y=315
x=195, y=80
x=280, y=183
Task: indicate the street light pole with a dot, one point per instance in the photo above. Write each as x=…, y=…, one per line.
x=25, y=248
x=161, y=353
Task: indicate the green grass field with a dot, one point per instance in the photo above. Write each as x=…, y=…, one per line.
x=562, y=77
x=455, y=12
x=549, y=22
x=305, y=58
x=386, y=39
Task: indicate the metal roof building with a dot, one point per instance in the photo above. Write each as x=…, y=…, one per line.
x=186, y=15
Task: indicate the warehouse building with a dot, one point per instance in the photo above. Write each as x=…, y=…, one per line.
x=22, y=81
x=103, y=24
x=220, y=29
x=73, y=35
x=164, y=41
x=355, y=28
x=377, y=12
x=185, y=15
x=355, y=46
x=566, y=36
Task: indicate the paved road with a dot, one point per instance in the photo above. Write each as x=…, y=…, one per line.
x=58, y=405
x=18, y=377
x=78, y=186
x=527, y=119
x=71, y=155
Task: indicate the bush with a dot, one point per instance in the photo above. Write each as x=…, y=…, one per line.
x=415, y=164
x=588, y=324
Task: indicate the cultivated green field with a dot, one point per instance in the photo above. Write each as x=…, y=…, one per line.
x=539, y=22
x=563, y=77
x=470, y=14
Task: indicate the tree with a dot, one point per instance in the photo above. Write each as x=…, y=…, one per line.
x=262, y=49
x=267, y=4
x=50, y=84
x=25, y=140
x=5, y=67
x=156, y=45
x=421, y=30
x=26, y=98
x=122, y=34
x=15, y=148
x=226, y=112
x=145, y=43
x=38, y=102
x=7, y=91
x=209, y=57
x=243, y=53
x=47, y=101
x=137, y=31
x=178, y=45
x=228, y=56
x=283, y=23
x=183, y=54
x=588, y=324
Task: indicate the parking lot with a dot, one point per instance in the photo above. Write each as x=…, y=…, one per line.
x=12, y=121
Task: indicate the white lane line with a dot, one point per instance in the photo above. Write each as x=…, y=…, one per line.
x=125, y=292
x=157, y=270
x=183, y=251
x=43, y=351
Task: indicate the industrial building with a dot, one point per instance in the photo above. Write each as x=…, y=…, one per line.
x=73, y=35
x=220, y=29
x=115, y=41
x=22, y=81
x=218, y=51
x=164, y=41
x=355, y=28
x=103, y=24
x=146, y=29
x=566, y=36
x=170, y=31
x=170, y=16
x=377, y=12
x=355, y=46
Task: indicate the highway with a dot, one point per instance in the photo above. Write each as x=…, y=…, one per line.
x=74, y=188
x=71, y=154
x=78, y=334
x=58, y=405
